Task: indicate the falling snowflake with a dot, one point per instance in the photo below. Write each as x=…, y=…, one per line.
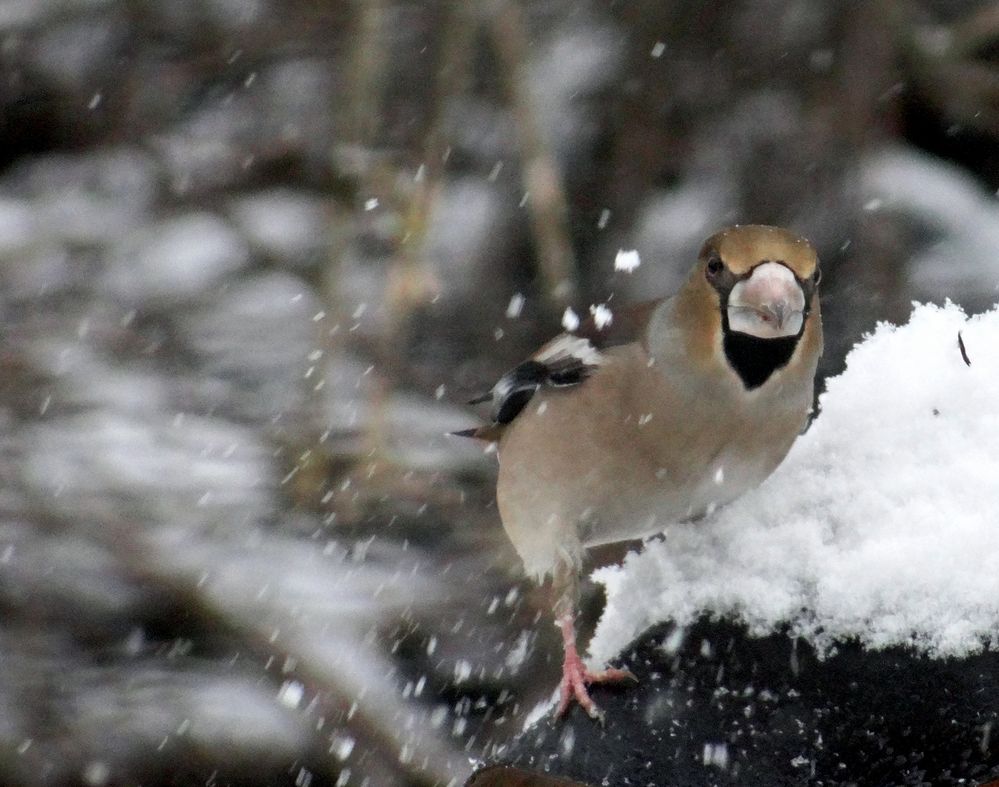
x=602, y=316
x=626, y=260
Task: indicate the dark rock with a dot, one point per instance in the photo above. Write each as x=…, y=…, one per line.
x=717, y=706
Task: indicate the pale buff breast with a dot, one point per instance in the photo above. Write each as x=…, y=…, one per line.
x=630, y=452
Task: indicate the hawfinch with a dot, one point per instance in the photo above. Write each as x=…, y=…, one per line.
x=657, y=416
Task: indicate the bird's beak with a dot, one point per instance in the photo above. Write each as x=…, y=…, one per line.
x=769, y=304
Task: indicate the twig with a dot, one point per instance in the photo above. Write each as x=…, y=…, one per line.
x=964, y=352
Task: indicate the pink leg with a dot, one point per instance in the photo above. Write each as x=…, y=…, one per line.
x=576, y=677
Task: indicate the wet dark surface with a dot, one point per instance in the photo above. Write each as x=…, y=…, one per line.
x=718, y=707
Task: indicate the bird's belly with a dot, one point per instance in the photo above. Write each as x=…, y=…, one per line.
x=642, y=512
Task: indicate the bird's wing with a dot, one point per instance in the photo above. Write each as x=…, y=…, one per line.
x=567, y=360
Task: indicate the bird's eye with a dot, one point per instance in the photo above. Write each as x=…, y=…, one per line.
x=715, y=266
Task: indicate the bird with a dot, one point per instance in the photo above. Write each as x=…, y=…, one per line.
x=654, y=415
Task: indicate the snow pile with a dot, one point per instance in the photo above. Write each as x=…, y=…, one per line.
x=881, y=525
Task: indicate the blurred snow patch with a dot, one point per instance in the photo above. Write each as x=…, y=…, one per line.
x=15, y=13
x=419, y=435
x=235, y=714
x=40, y=271
x=321, y=613
x=256, y=337
x=580, y=59
x=71, y=53
x=467, y=218
x=960, y=217
x=76, y=581
x=880, y=525
x=283, y=224
x=200, y=470
x=670, y=229
x=92, y=198
x=18, y=227
x=87, y=380
x=234, y=14
x=176, y=258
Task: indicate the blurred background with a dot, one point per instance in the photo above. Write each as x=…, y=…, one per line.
x=256, y=254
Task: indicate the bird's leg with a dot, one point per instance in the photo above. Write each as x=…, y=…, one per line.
x=575, y=676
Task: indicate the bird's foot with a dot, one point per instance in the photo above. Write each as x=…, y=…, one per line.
x=576, y=677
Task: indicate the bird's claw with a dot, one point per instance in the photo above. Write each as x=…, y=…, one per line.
x=575, y=679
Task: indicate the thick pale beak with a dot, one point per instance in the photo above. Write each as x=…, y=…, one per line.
x=769, y=304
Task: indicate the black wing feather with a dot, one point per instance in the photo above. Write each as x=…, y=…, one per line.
x=560, y=365
x=515, y=389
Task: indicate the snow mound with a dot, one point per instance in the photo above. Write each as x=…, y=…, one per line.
x=880, y=526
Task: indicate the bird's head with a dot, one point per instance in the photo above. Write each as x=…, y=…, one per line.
x=765, y=278
x=759, y=285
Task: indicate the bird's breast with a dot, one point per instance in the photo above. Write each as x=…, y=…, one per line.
x=638, y=447
x=692, y=450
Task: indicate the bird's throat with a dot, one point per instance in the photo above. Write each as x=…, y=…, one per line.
x=755, y=359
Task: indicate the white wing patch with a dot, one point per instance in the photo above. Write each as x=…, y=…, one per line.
x=569, y=346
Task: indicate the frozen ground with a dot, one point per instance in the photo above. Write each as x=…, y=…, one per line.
x=879, y=526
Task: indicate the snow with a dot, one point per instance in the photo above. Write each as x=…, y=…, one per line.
x=177, y=258
x=417, y=433
x=626, y=260
x=284, y=225
x=18, y=227
x=291, y=693
x=880, y=524
x=243, y=336
x=15, y=13
x=91, y=200
x=460, y=248
x=580, y=58
x=74, y=52
x=958, y=217
x=516, y=306
x=602, y=316
x=190, y=713
x=670, y=229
